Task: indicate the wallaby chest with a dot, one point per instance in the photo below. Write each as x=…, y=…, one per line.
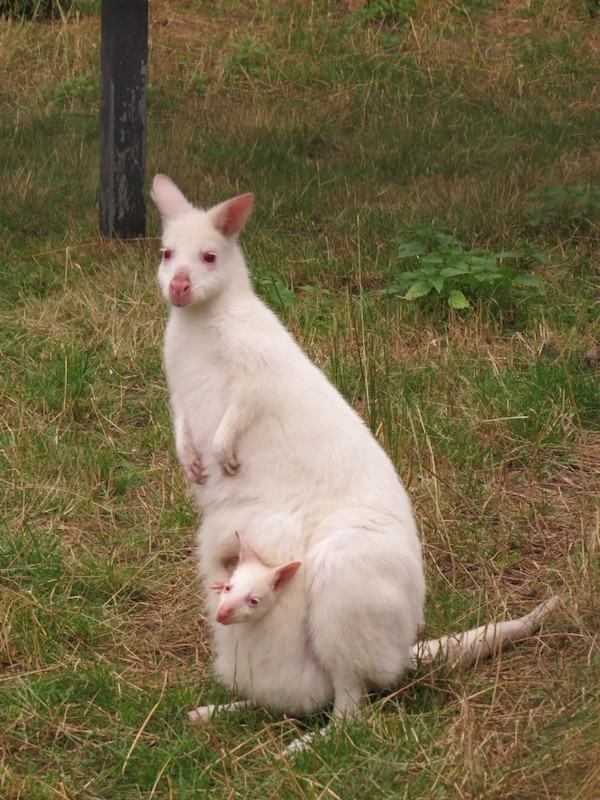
x=199, y=377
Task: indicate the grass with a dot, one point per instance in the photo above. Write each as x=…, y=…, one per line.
x=350, y=124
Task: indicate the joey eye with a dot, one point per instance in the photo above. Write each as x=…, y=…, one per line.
x=253, y=601
x=209, y=257
x=227, y=587
x=167, y=253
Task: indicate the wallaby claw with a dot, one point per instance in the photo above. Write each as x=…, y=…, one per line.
x=195, y=471
x=231, y=466
x=226, y=458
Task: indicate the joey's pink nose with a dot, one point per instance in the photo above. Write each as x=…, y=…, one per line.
x=180, y=290
x=223, y=615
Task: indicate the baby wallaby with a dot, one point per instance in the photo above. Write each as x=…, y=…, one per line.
x=253, y=588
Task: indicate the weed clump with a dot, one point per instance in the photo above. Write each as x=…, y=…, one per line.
x=442, y=265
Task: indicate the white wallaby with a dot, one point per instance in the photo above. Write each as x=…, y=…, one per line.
x=271, y=448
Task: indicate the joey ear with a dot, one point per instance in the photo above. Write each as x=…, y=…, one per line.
x=231, y=216
x=246, y=552
x=284, y=574
x=169, y=200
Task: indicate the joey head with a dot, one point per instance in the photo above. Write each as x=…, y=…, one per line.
x=252, y=588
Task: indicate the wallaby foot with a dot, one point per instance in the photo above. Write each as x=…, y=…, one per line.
x=203, y=714
x=347, y=703
x=302, y=742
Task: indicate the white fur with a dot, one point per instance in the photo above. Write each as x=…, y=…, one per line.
x=313, y=484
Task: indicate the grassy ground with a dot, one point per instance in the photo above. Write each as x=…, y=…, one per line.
x=350, y=123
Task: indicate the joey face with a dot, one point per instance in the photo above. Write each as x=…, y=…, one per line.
x=200, y=257
x=247, y=596
x=253, y=588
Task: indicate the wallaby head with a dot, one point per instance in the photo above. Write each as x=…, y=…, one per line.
x=200, y=256
x=253, y=588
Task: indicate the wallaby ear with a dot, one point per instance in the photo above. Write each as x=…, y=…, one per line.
x=231, y=216
x=284, y=574
x=246, y=552
x=169, y=200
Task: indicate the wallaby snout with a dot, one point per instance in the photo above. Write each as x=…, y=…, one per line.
x=180, y=290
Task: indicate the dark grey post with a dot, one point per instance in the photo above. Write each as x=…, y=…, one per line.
x=123, y=118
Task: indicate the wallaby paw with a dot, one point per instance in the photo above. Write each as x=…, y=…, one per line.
x=231, y=466
x=228, y=461
x=297, y=746
x=195, y=470
x=304, y=742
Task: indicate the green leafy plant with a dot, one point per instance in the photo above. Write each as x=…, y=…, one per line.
x=444, y=267
x=270, y=286
x=564, y=207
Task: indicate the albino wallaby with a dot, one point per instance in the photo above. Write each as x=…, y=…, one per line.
x=270, y=446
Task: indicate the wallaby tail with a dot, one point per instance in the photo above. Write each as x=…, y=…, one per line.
x=471, y=646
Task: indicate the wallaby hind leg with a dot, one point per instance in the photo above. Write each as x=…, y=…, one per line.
x=203, y=714
x=349, y=695
x=348, y=698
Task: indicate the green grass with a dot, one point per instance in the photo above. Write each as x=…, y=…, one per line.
x=351, y=123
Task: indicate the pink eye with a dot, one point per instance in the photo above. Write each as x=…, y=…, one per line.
x=209, y=257
x=253, y=602
x=167, y=254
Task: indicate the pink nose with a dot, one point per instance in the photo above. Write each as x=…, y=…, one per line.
x=180, y=290
x=223, y=615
